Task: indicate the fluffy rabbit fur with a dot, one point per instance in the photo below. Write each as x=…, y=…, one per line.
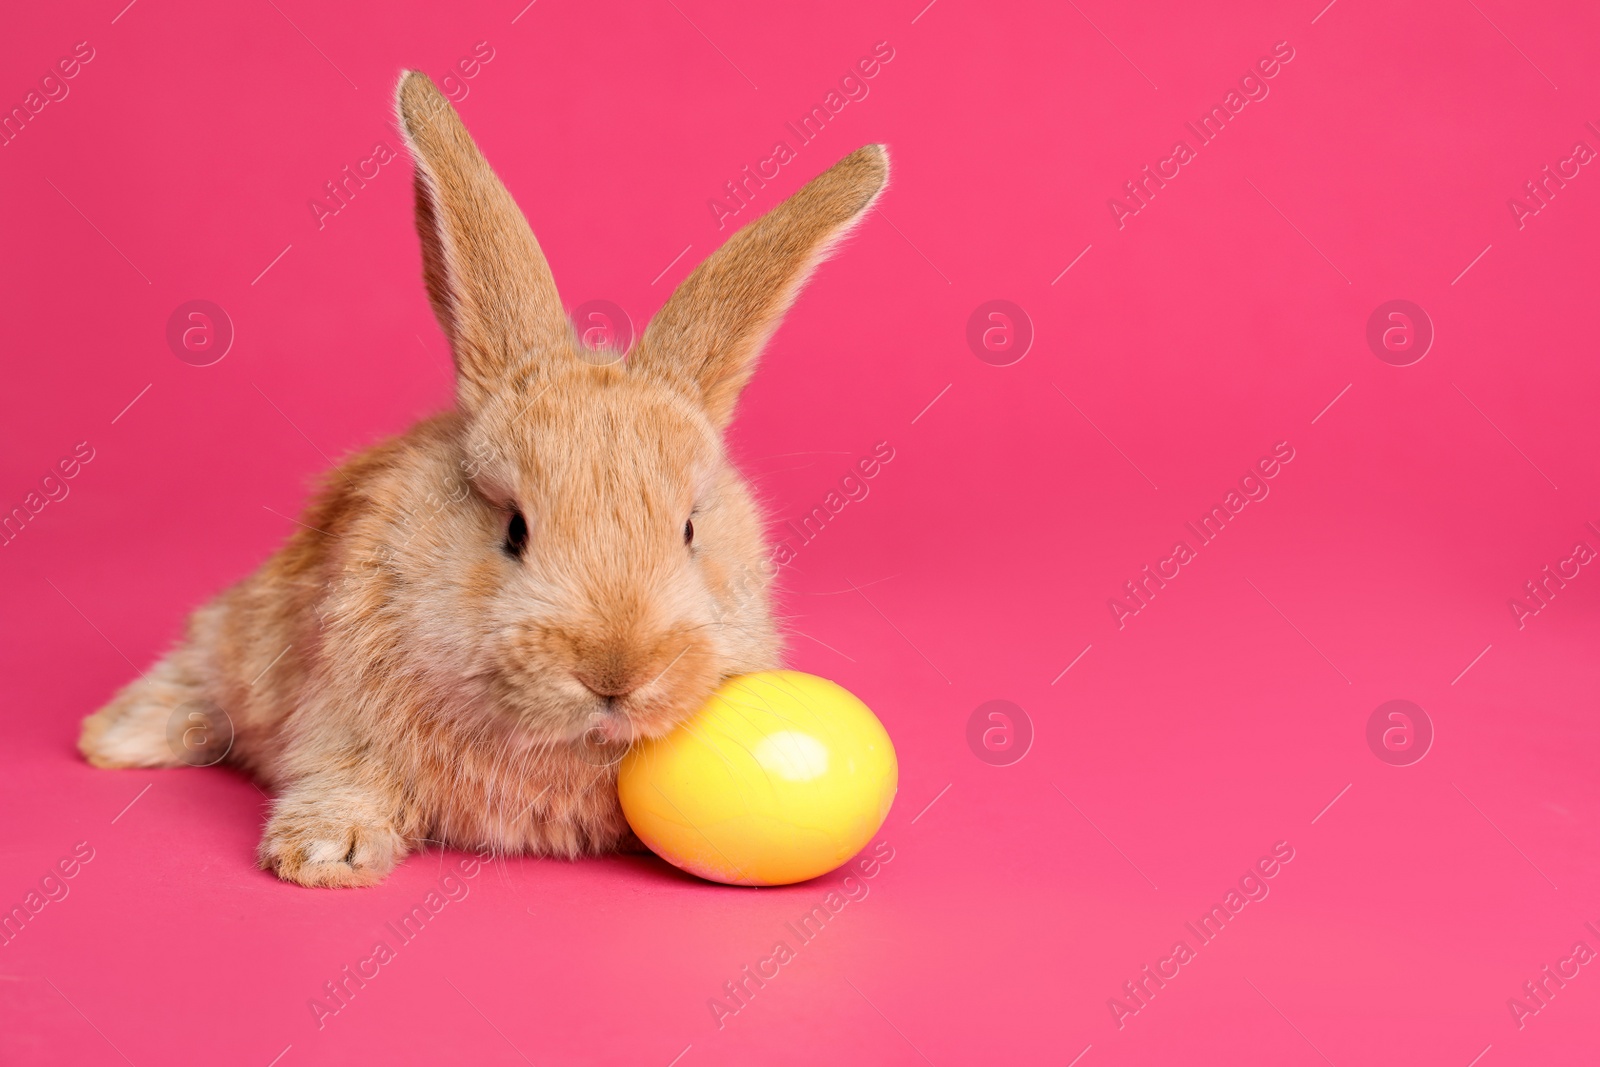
x=419, y=663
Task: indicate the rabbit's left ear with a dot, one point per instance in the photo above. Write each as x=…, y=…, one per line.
x=488, y=281
x=706, y=339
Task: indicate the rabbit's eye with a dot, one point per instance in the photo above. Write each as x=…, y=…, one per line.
x=516, y=535
x=688, y=531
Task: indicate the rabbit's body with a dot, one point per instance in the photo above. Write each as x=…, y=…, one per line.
x=348, y=633
x=476, y=617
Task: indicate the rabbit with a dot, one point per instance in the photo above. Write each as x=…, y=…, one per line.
x=477, y=617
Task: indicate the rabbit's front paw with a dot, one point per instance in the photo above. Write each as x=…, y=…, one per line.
x=326, y=850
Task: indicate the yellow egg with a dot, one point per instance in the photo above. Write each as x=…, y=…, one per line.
x=781, y=777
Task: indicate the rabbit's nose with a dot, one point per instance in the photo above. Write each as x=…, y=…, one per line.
x=606, y=686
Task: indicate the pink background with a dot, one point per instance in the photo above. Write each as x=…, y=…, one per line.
x=1221, y=719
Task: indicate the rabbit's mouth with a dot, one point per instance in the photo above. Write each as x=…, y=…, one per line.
x=626, y=719
x=607, y=737
x=566, y=690
x=609, y=725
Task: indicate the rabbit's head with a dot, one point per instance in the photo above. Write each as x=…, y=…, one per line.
x=617, y=569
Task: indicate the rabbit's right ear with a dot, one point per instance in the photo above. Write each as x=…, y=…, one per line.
x=487, y=279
